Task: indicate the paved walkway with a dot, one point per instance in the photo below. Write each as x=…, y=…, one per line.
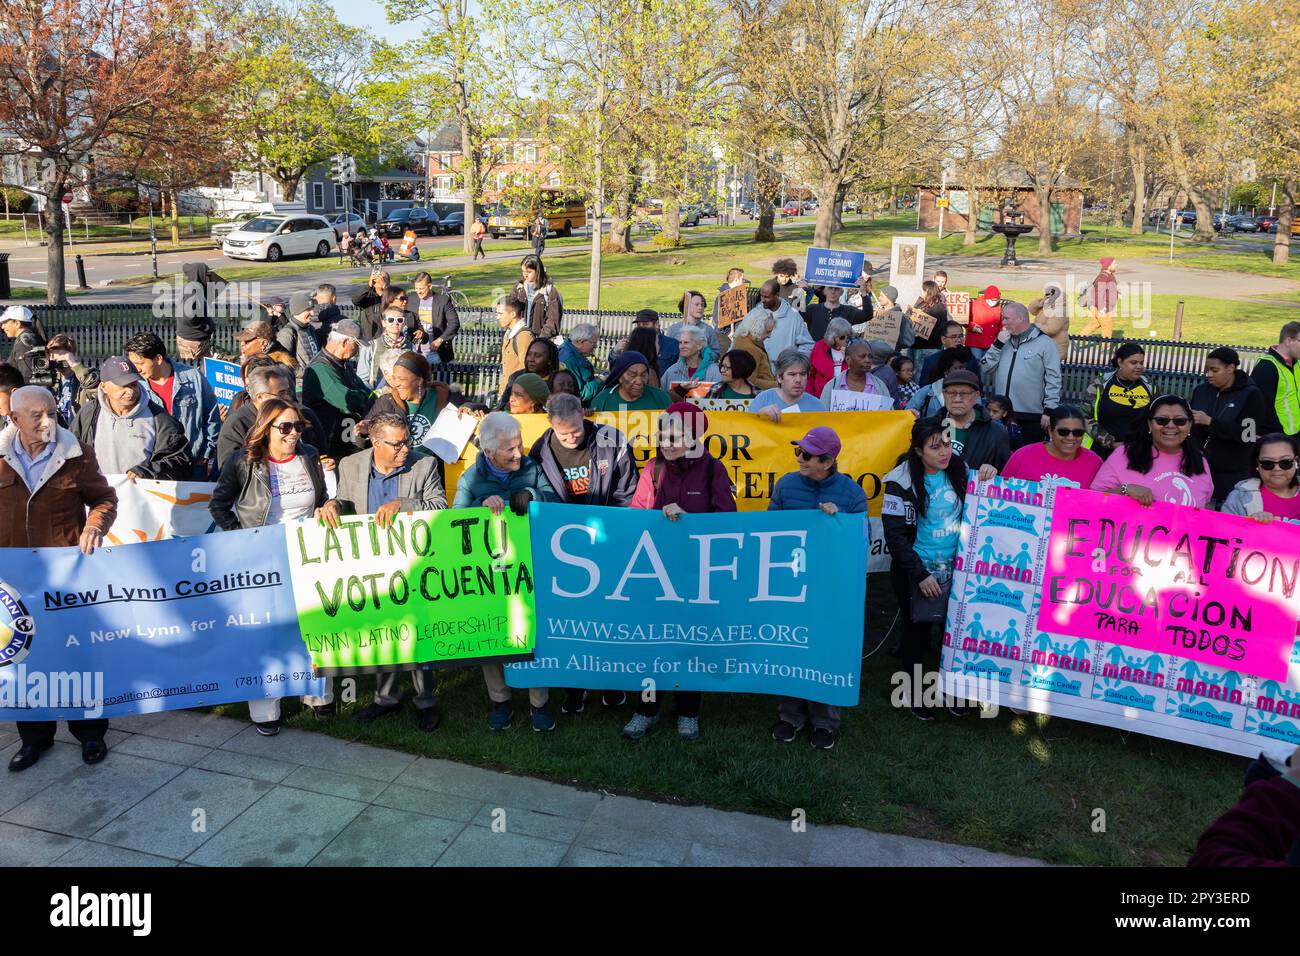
x=189, y=788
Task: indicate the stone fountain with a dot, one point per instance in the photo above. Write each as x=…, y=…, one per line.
x=1012, y=227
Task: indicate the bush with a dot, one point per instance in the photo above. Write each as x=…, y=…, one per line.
x=661, y=241
x=18, y=200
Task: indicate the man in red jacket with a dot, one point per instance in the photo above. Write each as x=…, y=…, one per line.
x=985, y=321
x=1262, y=829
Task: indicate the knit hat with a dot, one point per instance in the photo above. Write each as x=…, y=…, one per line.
x=890, y=293
x=301, y=302
x=992, y=292
x=1107, y=261
x=195, y=328
x=621, y=364
x=534, y=385
x=694, y=421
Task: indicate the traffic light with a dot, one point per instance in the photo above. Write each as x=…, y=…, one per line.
x=337, y=166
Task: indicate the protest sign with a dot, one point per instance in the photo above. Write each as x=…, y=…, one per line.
x=756, y=451
x=436, y=588
x=884, y=327
x=835, y=267
x=958, y=304
x=847, y=400
x=1003, y=640
x=721, y=404
x=150, y=510
x=1210, y=587
x=922, y=322
x=157, y=626
x=763, y=603
x=733, y=305
x=225, y=378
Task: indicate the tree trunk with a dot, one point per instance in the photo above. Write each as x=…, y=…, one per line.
x=1044, y=194
x=767, y=187
x=469, y=172
x=972, y=216
x=620, y=231
x=175, y=218
x=671, y=224
x=1204, y=231
x=837, y=213
x=55, y=284
x=1282, y=241
x=1138, y=156
x=288, y=185
x=828, y=188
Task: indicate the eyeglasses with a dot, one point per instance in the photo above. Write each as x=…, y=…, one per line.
x=1071, y=432
x=284, y=428
x=399, y=298
x=397, y=445
x=1165, y=420
x=1268, y=464
x=805, y=456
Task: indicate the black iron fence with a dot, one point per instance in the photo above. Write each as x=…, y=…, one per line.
x=100, y=330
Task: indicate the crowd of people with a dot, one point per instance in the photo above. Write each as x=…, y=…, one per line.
x=356, y=397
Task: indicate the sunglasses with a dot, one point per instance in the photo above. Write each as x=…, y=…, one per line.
x=394, y=319
x=1071, y=432
x=1268, y=464
x=805, y=456
x=1164, y=420
x=284, y=428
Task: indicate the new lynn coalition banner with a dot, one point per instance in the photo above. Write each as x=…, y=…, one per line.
x=759, y=603
x=158, y=626
x=1169, y=621
x=756, y=452
x=434, y=588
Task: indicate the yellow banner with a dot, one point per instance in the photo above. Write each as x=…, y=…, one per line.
x=755, y=450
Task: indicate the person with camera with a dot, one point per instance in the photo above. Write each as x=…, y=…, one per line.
x=19, y=324
x=370, y=300
x=71, y=380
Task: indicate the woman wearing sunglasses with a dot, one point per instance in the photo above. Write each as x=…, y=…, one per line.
x=682, y=478
x=1275, y=493
x=394, y=336
x=1221, y=408
x=1061, y=457
x=277, y=480
x=1161, y=462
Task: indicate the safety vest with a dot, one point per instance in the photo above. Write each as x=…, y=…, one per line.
x=1286, y=401
x=1104, y=390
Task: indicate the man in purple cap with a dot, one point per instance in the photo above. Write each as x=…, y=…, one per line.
x=817, y=484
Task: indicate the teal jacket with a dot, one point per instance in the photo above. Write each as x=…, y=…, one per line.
x=580, y=366
x=478, y=484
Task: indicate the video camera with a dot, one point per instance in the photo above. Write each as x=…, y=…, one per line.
x=45, y=371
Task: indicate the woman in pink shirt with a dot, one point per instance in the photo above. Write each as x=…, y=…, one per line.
x=1062, y=457
x=1275, y=492
x=1159, y=462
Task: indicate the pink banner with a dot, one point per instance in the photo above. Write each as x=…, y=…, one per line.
x=1214, y=588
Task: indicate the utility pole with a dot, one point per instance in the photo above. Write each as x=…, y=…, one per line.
x=598, y=202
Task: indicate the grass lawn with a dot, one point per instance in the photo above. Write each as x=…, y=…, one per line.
x=1021, y=785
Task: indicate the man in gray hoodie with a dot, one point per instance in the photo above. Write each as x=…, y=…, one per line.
x=131, y=436
x=1024, y=365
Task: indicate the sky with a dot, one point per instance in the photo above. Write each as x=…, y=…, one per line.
x=370, y=13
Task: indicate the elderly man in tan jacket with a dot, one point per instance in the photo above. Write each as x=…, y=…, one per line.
x=52, y=495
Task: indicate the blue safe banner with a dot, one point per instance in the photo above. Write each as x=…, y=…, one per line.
x=766, y=603
x=833, y=267
x=183, y=622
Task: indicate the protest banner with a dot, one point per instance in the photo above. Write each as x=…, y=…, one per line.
x=149, y=510
x=225, y=378
x=884, y=327
x=958, y=304
x=836, y=267
x=157, y=626
x=733, y=305
x=762, y=603
x=756, y=451
x=721, y=404
x=435, y=588
x=1008, y=639
x=847, y=400
x=922, y=322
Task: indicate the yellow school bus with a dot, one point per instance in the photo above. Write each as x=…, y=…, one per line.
x=564, y=213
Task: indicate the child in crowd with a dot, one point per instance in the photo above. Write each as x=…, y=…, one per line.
x=905, y=369
x=1000, y=410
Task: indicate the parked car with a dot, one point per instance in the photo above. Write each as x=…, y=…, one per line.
x=272, y=237
x=220, y=230
x=1187, y=217
x=708, y=210
x=1236, y=224
x=452, y=224
x=690, y=215
x=791, y=208
x=416, y=217
x=811, y=206
x=349, y=221
x=1266, y=223
x=750, y=209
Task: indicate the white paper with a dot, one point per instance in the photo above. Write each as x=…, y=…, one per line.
x=844, y=400
x=450, y=433
x=331, y=481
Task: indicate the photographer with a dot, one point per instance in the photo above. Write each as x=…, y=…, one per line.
x=19, y=324
x=71, y=379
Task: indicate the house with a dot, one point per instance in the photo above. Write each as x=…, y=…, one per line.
x=512, y=158
x=1005, y=182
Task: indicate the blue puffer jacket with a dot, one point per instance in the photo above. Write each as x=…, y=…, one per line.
x=794, y=492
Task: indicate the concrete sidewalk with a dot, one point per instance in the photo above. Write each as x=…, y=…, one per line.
x=190, y=788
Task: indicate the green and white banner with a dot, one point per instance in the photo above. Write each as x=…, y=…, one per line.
x=434, y=588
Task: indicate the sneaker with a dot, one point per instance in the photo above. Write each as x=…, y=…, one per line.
x=575, y=702
x=428, y=719
x=324, y=711
x=501, y=716
x=639, y=726
x=543, y=722
x=374, y=712
x=613, y=698
x=823, y=739
x=921, y=713
x=784, y=731
x=961, y=711
x=267, y=728
x=688, y=728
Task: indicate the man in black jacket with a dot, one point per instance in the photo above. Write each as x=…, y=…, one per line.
x=130, y=436
x=18, y=323
x=436, y=319
x=976, y=438
x=829, y=306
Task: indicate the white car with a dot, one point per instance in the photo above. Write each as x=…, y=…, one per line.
x=272, y=237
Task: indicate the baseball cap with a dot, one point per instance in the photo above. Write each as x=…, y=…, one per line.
x=821, y=440
x=880, y=350
x=962, y=376
x=17, y=313
x=992, y=292
x=118, y=370
x=347, y=328
x=257, y=329
x=272, y=302
x=301, y=302
x=646, y=315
